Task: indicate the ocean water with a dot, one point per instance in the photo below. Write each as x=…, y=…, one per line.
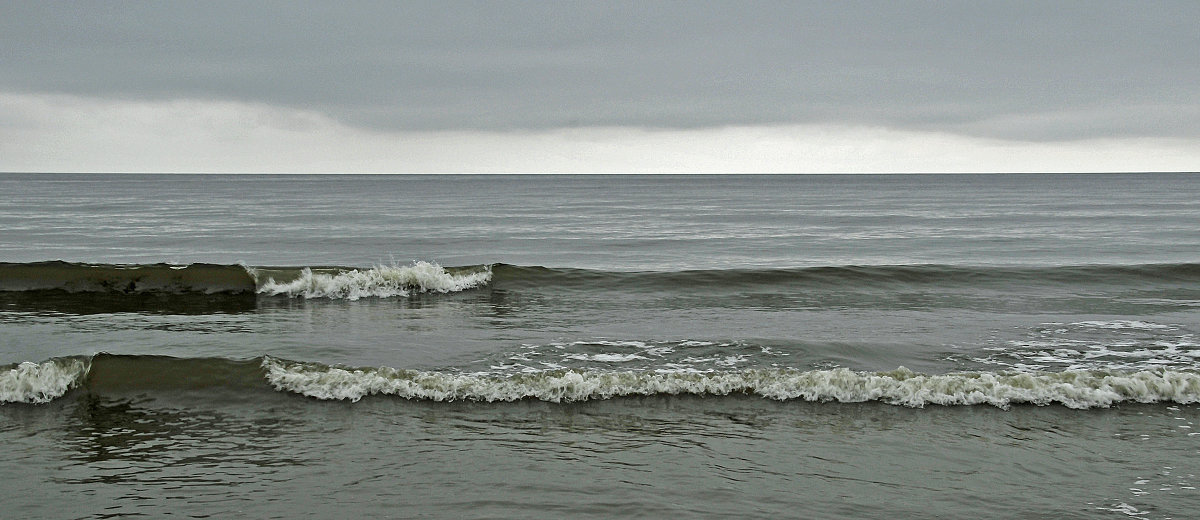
x=920, y=346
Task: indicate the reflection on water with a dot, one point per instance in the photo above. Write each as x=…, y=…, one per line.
x=63, y=303
x=279, y=455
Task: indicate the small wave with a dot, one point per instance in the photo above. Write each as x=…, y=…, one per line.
x=41, y=382
x=379, y=282
x=898, y=387
x=129, y=281
x=879, y=276
x=125, y=279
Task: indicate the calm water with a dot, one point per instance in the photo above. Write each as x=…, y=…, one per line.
x=544, y=346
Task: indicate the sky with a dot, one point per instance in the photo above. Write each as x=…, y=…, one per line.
x=561, y=86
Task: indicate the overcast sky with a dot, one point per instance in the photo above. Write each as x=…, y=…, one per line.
x=600, y=86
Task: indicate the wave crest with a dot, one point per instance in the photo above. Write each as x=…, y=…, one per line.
x=379, y=282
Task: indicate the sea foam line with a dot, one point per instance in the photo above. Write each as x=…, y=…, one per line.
x=899, y=387
x=378, y=282
x=41, y=382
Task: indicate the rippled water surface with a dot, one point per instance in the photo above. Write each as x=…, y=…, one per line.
x=996, y=346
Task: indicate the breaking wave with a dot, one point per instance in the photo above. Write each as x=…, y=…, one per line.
x=213, y=279
x=36, y=383
x=41, y=382
x=379, y=282
x=125, y=279
x=898, y=387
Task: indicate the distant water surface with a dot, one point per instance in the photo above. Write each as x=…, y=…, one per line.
x=928, y=346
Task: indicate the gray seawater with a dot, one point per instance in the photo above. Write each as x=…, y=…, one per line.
x=991, y=346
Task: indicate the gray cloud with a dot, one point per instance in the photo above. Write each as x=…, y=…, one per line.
x=1029, y=70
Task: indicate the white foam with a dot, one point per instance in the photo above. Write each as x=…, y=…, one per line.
x=377, y=282
x=41, y=383
x=900, y=387
x=1121, y=325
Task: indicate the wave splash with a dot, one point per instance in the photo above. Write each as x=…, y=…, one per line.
x=379, y=282
x=1084, y=389
x=37, y=383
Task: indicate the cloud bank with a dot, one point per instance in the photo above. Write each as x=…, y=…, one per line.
x=621, y=85
x=77, y=134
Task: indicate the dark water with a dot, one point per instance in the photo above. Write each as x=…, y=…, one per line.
x=493, y=347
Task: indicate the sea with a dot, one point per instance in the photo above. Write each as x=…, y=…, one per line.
x=596, y=346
